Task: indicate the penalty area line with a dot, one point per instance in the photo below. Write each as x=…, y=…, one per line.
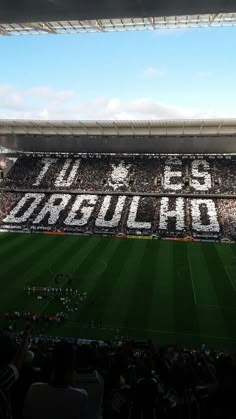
x=230, y=279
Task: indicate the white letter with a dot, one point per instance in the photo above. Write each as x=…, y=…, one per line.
x=86, y=212
x=101, y=222
x=204, y=175
x=36, y=198
x=131, y=222
x=47, y=163
x=177, y=213
x=211, y=214
x=61, y=181
x=168, y=174
x=52, y=209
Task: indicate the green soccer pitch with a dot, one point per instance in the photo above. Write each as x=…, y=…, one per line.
x=165, y=290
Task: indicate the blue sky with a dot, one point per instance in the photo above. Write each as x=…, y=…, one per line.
x=131, y=75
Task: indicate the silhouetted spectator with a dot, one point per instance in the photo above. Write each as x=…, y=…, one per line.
x=88, y=378
x=11, y=360
x=57, y=399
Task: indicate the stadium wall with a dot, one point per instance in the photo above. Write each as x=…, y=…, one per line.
x=121, y=144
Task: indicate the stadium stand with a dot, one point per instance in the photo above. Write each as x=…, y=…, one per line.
x=158, y=195
x=186, y=197
x=125, y=379
x=137, y=173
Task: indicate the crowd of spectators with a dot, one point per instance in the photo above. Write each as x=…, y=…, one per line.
x=227, y=211
x=116, y=214
x=125, y=173
x=42, y=378
x=99, y=175
x=7, y=200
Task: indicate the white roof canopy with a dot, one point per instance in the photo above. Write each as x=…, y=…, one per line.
x=215, y=127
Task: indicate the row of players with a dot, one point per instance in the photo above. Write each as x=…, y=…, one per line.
x=138, y=174
x=71, y=302
x=59, y=317
x=54, y=291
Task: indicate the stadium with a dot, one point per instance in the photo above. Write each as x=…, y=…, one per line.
x=121, y=234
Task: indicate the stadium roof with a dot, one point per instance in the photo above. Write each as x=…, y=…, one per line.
x=215, y=127
x=73, y=16
x=118, y=24
x=180, y=137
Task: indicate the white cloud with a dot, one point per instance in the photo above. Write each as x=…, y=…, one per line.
x=151, y=72
x=45, y=92
x=4, y=89
x=47, y=103
x=10, y=98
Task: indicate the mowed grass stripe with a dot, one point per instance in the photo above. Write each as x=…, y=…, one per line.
x=35, y=268
x=186, y=316
x=88, y=270
x=8, y=252
x=101, y=289
x=162, y=298
x=64, y=262
x=67, y=262
x=228, y=257
x=14, y=274
x=122, y=292
x=204, y=290
x=6, y=240
x=210, y=316
x=139, y=303
x=88, y=274
x=111, y=271
x=26, y=253
x=233, y=248
x=39, y=271
x=79, y=251
x=225, y=294
x=223, y=287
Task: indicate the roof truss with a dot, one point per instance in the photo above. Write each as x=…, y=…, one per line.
x=118, y=25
